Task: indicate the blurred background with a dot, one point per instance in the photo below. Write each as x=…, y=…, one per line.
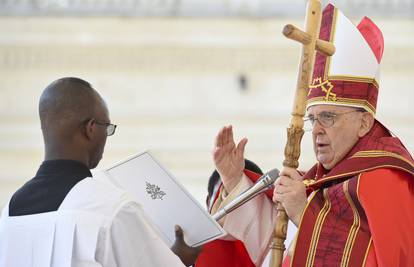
x=174, y=72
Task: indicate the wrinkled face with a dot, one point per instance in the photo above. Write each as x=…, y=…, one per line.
x=331, y=144
x=99, y=141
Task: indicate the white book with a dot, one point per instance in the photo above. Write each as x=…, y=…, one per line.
x=166, y=202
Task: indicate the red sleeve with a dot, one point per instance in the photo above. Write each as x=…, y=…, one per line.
x=254, y=177
x=387, y=197
x=222, y=253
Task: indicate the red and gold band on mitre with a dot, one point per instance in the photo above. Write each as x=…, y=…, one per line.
x=349, y=77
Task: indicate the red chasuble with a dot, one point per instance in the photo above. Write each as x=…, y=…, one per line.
x=361, y=211
x=359, y=214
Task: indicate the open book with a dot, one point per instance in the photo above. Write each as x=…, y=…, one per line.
x=164, y=199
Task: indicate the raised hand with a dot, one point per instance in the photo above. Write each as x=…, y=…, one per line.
x=291, y=192
x=229, y=158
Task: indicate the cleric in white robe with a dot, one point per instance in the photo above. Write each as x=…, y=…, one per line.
x=63, y=216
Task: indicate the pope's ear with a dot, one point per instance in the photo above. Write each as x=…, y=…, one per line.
x=367, y=121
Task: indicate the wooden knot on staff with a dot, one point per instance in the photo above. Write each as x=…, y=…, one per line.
x=310, y=44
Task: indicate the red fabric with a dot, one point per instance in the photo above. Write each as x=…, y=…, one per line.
x=373, y=35
x=363, y=93
x=286, y=261
x=334, y=224
x=254, y=177
x=324, y=34
x=384, y=199
x=378, y=139
x=223, y=253
x=385, y=191
x=388, y=200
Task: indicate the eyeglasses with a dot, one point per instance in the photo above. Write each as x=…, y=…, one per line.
x=325, y=119
x=110, y=128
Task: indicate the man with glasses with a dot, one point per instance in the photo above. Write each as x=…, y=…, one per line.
x=354, y=207
x=63, y=216
x=110, y=128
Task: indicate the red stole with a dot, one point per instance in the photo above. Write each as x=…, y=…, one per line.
x=334, y=230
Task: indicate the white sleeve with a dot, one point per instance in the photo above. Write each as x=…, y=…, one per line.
x=131, y=240
x=252, y=223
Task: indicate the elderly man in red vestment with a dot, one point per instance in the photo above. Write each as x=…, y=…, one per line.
x=355, y=206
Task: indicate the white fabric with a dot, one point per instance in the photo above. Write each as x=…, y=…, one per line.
x=96, y=225
x=252, y=223
x=353, y=56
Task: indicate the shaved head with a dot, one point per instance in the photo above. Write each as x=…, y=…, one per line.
x=66, y=103
x=69, y=109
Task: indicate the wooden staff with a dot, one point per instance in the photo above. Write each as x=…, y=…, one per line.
x=310, y=42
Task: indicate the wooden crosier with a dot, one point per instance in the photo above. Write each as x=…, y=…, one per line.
x=310, y=43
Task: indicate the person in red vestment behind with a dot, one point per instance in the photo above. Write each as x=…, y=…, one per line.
x=224, y=253
x=354, y=207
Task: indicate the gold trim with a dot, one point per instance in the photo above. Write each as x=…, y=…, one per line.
x=317, y=229
x=360, y=171
x=379, y=153
x=366, y=252
x=331, y=40
x=300, y=223
x=326, y=86
x=308, y=182
x=320, y=100
x=370, y=239
x=346, y=100
x=354, y=228
x=354, y=78
x=357, y=189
